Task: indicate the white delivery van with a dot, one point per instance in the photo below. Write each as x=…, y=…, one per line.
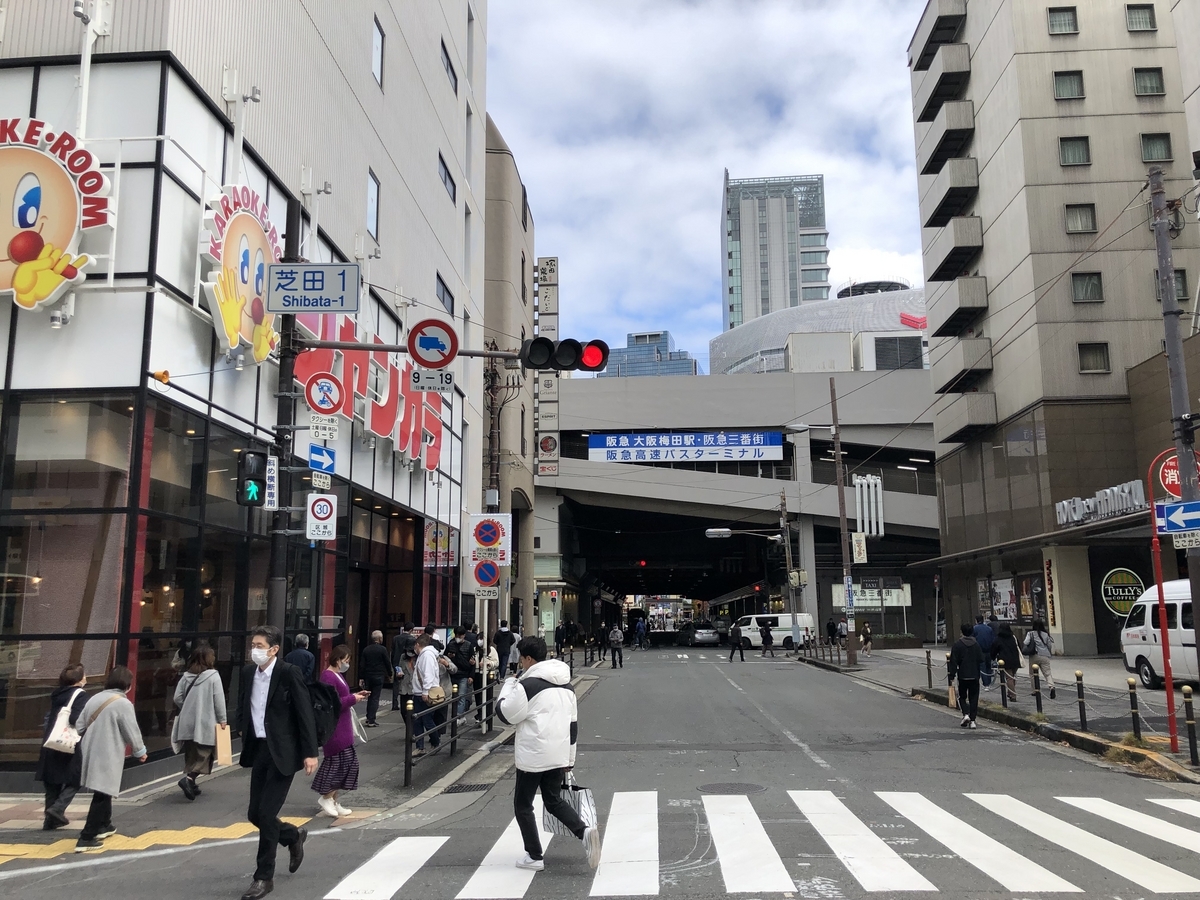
x=781, y=629
x=1141, y=637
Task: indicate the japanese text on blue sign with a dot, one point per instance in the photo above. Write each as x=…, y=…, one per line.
x=711, y=446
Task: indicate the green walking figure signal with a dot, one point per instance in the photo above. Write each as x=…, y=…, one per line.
x=252, y=478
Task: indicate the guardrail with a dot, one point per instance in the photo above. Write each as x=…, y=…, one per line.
x=484, y=700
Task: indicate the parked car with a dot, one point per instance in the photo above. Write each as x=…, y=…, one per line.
x=692, y=634
x=1141, y=642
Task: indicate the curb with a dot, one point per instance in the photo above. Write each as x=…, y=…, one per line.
x=1089, y=743
x=828, y=666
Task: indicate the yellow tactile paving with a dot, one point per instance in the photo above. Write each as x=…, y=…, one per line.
x=173, y=838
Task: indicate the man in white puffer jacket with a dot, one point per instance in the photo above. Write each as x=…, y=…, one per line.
x=541, y=704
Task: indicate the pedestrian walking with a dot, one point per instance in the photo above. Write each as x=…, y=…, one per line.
x=1039, y=647
x=426, y=688
x=865, y=637
x=503, y=641
x=60, y=772
x=431, y=630
x=339, y=764
x=375, y=665
x=966, y=661
x=108, y=724
x=616, y=640
x=477, y=676
x=541, y=704
x=279, y=738
x=462, y=654
x=1005, y=649
x=404, y=650
x=301, y=657
x=831, y=631
x=735, y=642
x=639, y=632
x=768, y=639
x=200, y=697
x=987, y=639
x=843, y=631
x=560, y=636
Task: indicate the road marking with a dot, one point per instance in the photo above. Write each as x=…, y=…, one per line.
x=381, y=876
x=1191, y=807
x=804, y=748
x=875, y=865
x=629, y=857
x=682, y=655
x=497, y=876
x=988, y=855
x=749, y=862
x=1155, y=828
x=1141, y=870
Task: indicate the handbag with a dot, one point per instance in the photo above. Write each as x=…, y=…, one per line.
x=436, y=694
x=360, y=731
x=579, y=799
x=952, y=697
x=224, y=746
x=63, y=736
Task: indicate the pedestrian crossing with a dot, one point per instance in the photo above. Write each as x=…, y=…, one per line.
x=1014, y=844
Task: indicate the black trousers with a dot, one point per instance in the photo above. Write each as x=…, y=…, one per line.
x=768, y=648
x=550, y=783
x=59, y=797
x=268, y=790
x=480, y=699
x=99, y=815
x=736, y=647
x=375, y=686
x=618, y=657
x=968, y=696
x=396, y=692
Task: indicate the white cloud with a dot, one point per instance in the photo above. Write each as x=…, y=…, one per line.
x=623, y=113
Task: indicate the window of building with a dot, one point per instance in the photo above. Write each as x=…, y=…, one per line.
x=444, y=295
x=447, y=179
x=1086, y=287
x=1140, y=17
x=1074, y=151
x=1148, y=82
x=449, y=67
x=1156, y=147
x=814, y=274
x=1181, y=286
x=1093, y=358
x=815, y=293
x=372, y=205
x=377, y=52
x=1063, y=20
x=814, y=257
x=1081, y=218
x=1068, y=85
x=812, y=240
x=898, y=353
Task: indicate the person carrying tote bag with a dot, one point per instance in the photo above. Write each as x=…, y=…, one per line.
x=200, y=697
x=58, y=769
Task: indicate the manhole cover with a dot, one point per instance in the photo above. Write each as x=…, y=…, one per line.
x=733, y=787
x=466, y=788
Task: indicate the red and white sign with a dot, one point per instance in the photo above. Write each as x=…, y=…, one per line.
x=432, y=344
x=1168, y=475
x=491, y=538
x=324, y=393
x=322, y=517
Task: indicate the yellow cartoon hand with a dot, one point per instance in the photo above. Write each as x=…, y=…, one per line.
x=231, y=305
x=36, y=279
x=265, y=339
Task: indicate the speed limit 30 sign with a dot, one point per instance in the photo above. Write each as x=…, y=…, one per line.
x=321, y=524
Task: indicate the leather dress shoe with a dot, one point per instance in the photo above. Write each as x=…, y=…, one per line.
x=296, y=851
x=259, y=889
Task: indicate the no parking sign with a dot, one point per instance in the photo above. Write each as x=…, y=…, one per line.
x=491, y=539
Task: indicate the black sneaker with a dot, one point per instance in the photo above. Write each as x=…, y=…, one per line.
x=1053, y=694
x=54, y=820
x=106, y=831
x=83, y=846
x=188, y=787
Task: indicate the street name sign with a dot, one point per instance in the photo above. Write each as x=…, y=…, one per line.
x=321, y=523
x=1176, y=517
x=312, y=287
x=321, y=459
x=433, y=380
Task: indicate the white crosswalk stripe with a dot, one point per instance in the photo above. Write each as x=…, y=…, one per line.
x=1156, y=828
x=749, y=861
x=1190, y=807
x=629, y=855
x=382, y=876
x=498, y=876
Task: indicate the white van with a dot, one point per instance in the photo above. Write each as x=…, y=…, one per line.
x=781, y=629
x=1141, y=641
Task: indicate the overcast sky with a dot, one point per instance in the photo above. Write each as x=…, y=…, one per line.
x=622, y=115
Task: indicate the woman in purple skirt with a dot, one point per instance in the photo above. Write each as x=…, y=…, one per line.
x=339, y=768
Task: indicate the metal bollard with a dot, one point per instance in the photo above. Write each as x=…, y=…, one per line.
x=489, y=720
x=1190, y=717
x=408, y=745
x=839, y=653
x=452, y=712
x=1003, y=682
x=1133, y=709
x=929, y=668
x=1036, y=670
x=571, y=660
x=1082, y=706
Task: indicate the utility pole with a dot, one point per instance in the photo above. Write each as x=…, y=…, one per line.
x=491, y=377
x=284, y=421
x=785, y=535
x=1182, y=422
x=847, y=581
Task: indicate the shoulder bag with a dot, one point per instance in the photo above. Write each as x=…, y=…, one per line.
x=63, y=736
x=579, y=799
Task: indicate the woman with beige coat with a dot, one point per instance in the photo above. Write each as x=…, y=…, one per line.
x=200, y=697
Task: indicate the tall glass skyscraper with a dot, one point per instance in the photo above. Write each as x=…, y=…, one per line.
x=775, y=245
x=649, y=353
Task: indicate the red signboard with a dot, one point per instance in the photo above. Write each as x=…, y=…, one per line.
x=1168, y=476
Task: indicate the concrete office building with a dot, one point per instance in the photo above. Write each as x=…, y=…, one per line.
x=1035, y=128
x=649, y=353
x=774, y=235
x=1186, y=17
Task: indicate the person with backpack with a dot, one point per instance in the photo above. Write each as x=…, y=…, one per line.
x=735, y=642
x=339, y=766
x=768, y=639
x=277, y=720
x=616, y=641
x=61, y=772
x=987, y=639
x=503, y=641
x=200, y=697
x=1038, y=648
x=462, y=655
x=404, y=651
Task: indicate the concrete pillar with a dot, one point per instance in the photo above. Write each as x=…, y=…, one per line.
x=806, y=559
x=1069, y=613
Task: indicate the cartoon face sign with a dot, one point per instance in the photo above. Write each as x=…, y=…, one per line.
x=240, y=285
x=39, y=227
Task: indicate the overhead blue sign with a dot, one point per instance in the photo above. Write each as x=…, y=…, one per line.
x=1175, y=518
x=687, y=446
x=321, y=459
x=312, y=287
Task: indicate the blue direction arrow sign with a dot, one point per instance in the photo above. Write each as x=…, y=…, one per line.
x=1174, y=518
x=321, y=459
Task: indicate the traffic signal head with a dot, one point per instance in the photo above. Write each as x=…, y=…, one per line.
x=566, y=355
x=594, y=356
x=252, y=478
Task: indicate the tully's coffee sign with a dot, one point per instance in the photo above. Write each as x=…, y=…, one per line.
x=1120, y=589
x=1113, y=501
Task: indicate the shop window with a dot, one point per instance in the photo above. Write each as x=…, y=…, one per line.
x=176, y=462
x=168, y=599
x=221, y=479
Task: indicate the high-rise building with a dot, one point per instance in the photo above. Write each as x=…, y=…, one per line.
x=649, y=353
x=775, y=239
x=1035, y=130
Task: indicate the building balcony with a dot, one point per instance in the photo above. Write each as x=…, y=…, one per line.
x=951, y=192
x=962, y=365
x=946, y=80
x=948, y=136
x=954, y=248
x=939, y=25
x=962, y=417
x=959, y=305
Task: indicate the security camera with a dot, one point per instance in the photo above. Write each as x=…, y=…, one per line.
x=56, y=317
x=80, y=11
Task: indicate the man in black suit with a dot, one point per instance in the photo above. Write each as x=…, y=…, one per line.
x=279, y=737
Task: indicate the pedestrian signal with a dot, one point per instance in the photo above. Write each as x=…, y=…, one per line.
x=252, y=478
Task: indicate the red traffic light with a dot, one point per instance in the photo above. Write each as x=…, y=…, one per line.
x=594, y=356
x=565, y=355
x=642, y=563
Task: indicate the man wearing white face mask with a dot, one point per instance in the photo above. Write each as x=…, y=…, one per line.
x=339, y=767
x=279, y=737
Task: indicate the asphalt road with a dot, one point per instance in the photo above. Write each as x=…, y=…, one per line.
x=764, y=778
